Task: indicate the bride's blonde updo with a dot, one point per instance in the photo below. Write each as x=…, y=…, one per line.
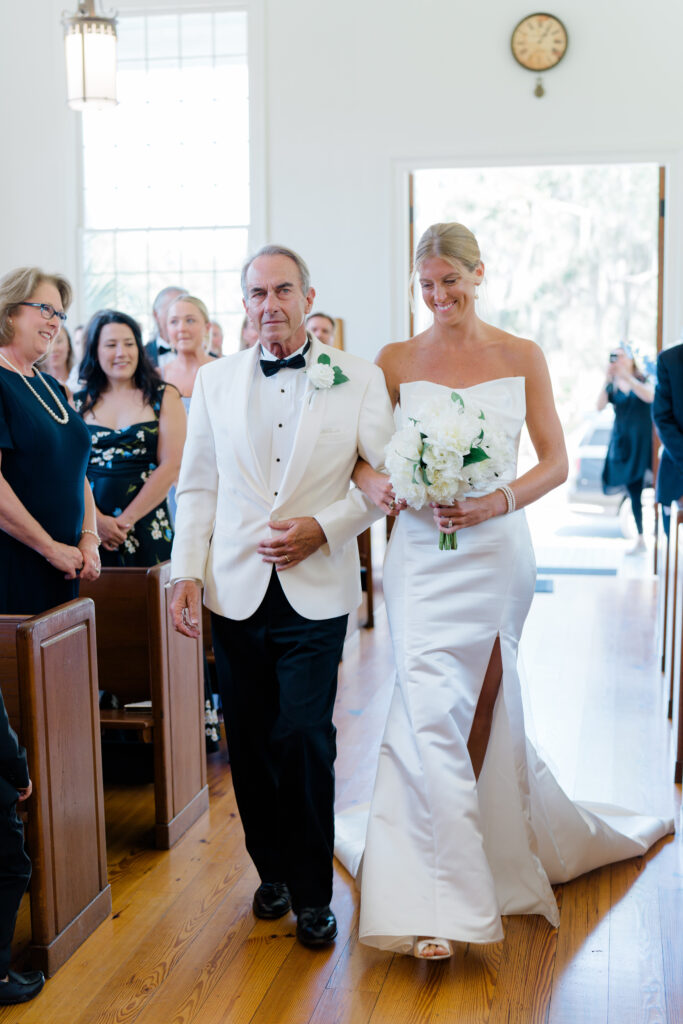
x=452, y=242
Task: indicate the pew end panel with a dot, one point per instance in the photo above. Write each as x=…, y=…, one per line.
x=59, y=726
x=177, y=675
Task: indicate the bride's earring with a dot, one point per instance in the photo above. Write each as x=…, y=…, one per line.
x=476, y=292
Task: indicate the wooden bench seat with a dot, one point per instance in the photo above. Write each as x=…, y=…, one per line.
x=48, y=676
x=140, y=658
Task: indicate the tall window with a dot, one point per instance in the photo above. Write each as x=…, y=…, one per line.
x=166, y=172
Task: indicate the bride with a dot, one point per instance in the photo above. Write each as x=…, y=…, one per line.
x=466, y=822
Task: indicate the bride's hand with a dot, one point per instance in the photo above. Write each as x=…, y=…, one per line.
x=377, y=487
x=469, y=512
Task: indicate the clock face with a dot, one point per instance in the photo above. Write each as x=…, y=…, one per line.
x=539, y=42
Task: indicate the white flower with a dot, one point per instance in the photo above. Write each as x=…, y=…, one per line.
x=321, y=375
x=436, y=458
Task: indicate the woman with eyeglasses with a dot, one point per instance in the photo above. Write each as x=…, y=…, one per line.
x=137, y=424
x=48, y=535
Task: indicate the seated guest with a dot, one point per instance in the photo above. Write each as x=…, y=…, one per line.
x=137, y=425
x=188, y=330
x=248, y=334
x=322, y=325
x=159, y=350
x=47, y=516
x=215, y=346
x=15, y=866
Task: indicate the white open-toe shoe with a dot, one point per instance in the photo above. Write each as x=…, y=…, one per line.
x=421, y=946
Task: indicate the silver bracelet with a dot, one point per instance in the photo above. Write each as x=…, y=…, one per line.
x=92, y=534
x=509, y=498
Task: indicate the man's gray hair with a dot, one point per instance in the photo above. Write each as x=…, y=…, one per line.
x=165, y=294
x=278, y=250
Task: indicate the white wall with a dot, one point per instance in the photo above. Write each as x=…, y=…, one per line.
x=355, y=93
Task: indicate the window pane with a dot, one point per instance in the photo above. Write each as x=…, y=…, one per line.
x=131, y=251
x=162, y=35
x=164, y=249
x=230, y=33
x=166, y=172
x=98, y=253
x=196, y=35
x=130, y=33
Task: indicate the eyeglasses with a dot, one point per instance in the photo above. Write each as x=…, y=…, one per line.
x=46, y=310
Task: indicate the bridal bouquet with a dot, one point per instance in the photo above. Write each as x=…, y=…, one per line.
x=449, y=451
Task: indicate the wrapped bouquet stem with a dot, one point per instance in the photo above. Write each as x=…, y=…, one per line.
x=449, y=452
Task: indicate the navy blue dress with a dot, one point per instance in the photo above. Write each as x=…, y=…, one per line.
x=629, y=455
x=45, y=463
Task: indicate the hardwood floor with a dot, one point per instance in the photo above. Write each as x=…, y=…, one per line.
x=182, y=945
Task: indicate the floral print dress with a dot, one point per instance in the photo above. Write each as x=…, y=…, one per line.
x=120, y=463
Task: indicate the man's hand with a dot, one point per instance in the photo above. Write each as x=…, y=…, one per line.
x=25, y=793
x=298, y=539
x=186, y=605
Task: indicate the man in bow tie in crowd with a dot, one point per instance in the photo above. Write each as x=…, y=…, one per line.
x=267, y=523
x=159, y=348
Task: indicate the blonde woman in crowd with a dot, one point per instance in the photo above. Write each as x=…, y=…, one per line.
x=188, y=332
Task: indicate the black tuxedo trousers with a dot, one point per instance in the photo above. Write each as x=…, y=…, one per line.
x=277, y=673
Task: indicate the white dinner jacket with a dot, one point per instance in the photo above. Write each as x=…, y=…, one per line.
x=224, y=504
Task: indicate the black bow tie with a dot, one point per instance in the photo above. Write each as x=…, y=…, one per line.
x=271, y=366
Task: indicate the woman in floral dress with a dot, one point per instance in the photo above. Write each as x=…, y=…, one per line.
x=137, y=424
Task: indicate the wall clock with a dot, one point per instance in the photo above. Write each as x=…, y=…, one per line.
x=538, y=43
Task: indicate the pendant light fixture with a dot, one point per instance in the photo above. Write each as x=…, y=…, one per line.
x=90, y=45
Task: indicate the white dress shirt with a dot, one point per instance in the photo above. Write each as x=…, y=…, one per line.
x=274, y=409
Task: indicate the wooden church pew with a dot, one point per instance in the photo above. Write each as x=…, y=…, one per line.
x=141, y=658
x=48, y=676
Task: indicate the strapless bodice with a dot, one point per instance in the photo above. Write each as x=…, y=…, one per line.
x=503, y=400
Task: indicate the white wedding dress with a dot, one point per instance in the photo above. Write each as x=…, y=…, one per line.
x=442, y=854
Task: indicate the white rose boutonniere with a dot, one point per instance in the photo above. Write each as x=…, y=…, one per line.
x=323, y=375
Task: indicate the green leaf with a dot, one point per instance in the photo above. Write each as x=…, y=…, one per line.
x=324, y=359
x=481, y=415
x=455, y=397
x=339, y=377
x=425, y=477
x=476, y=455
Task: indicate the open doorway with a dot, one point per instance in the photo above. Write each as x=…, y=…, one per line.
x=573, y=261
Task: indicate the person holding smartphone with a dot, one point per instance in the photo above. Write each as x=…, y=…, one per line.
x=629, y=456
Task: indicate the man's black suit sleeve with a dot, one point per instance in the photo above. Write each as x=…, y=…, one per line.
x=669, y=429
x=13, y=766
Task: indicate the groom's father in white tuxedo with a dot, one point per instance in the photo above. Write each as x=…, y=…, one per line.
x=266, y=521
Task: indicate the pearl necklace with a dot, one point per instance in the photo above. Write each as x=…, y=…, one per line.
x=64, y=413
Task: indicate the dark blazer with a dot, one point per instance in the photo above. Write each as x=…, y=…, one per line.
x=156, y=347
x=667, y=413
x=13, y=766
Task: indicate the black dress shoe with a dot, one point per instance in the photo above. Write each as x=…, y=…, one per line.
x=316, y=926
x=20, y=987
x=271, y=899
